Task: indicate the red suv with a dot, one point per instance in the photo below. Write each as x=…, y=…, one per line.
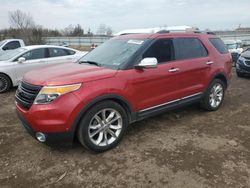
x=126, y=79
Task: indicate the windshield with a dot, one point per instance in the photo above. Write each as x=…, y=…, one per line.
x=232, y=46
x=10, y=54
x=113, y=53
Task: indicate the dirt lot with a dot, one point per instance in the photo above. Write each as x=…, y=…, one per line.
x=184, y=148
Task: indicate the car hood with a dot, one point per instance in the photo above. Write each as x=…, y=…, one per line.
x=246, y=54
x=67, y=73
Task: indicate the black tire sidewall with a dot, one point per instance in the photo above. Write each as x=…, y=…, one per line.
x=82, y=131
x=206, y=100
x=8, y=82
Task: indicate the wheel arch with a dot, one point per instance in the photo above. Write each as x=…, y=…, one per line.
x=222, y=77
x=8, y=77
x=116, y=98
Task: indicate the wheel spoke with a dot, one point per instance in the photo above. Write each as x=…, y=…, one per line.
x=95, y=133
x=98, y=119
x=104, y=115
x=111, y=115
x=100, y=138
x=111, y=133
x=95, y=126
x=106, y=137
x=114, y=120
x=115, y=127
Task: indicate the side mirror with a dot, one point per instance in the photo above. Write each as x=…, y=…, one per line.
x=148, y=62
x=21, y=59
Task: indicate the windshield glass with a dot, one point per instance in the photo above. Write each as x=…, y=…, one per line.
x=10, y=54
x=231, y=46
x=113, y=53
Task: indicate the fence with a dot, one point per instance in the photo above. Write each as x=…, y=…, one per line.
x=87, y=41
x=76, y=41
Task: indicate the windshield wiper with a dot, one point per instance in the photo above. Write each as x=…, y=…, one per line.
x=91, y=63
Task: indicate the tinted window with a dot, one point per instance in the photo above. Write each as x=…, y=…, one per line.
x=57, y=52
x=35, y=54
x=219, y=45
x=189, y=48
x=162, y=50
x=12, y=45
x=70, y=52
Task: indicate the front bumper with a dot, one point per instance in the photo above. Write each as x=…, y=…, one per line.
x=54, y=120
x=241, y=68
x=54, y=138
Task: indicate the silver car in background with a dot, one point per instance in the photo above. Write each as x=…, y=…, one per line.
x=15, y=63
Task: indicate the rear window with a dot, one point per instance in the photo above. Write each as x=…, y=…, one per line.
x=219, y=45
x=189, y=48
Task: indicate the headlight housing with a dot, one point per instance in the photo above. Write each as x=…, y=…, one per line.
x=50, y=93
x=241, y=60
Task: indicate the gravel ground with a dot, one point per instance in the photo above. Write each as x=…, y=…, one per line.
x=185, y=148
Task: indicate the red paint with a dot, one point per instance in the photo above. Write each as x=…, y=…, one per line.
x=141, y=88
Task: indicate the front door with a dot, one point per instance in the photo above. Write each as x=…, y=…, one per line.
x=33, y=59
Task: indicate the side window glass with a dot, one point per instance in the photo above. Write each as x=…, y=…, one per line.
x=12, y=45
x=57, y=52
x=219, y=45
x=189, y=48
x=35, y=54
x=162, y=50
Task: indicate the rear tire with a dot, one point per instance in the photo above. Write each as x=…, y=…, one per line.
x=103, y=126
x=5, y=83
x=214, y=96
x=239, y=74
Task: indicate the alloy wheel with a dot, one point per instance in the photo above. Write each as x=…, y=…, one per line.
x=216, y=95
x=105, y=127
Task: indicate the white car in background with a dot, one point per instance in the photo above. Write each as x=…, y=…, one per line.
x=10, y=44
x=15, y=63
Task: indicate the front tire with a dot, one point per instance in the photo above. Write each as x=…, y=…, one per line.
x=5, y=83
x=103, y=126
x=214, y=95
x=239, y=74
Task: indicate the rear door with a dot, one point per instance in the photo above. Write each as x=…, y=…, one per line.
x=34, y=59
x=193, y=62
x=60, y=55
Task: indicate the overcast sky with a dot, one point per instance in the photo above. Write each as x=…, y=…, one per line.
x=127, y=14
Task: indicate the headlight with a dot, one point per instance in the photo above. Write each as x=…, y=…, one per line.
x=241, y=60
x=49, y=93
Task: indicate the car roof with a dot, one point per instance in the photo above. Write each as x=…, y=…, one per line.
x=32, y=47
x=167, y=34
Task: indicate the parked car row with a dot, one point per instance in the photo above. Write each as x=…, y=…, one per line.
x=15, y=63
x=243, y=64
x=235, y=48
x=126, y=79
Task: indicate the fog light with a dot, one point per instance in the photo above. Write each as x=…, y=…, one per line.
x=40, y=137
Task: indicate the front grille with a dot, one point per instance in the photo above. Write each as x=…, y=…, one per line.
x=26, y=94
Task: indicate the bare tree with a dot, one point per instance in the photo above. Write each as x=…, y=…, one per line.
x=101, y=29
x=21, y=20
x=109, y=31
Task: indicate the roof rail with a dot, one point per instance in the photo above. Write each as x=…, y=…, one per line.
x=162, y=30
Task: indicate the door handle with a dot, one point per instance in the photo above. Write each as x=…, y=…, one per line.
x=173, y=70
x=209, y=62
